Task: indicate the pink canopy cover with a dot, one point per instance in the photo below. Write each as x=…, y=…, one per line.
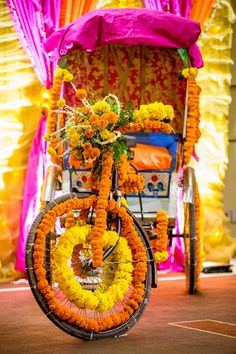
x=128, y=27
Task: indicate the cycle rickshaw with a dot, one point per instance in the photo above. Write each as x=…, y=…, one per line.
x=112, y=128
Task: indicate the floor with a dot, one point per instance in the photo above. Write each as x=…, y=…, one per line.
x=174, y=322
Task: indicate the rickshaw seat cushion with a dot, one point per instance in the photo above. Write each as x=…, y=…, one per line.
x=169, y=142
x=147, y=157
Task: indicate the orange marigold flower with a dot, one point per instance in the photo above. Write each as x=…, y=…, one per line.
x=87, y=154
x=84, y=110
x=102, y=123
x=89, y=133
x=94, y=119
x=81, y=94
x=87, y=146
x=112, y=117
x=95, y=152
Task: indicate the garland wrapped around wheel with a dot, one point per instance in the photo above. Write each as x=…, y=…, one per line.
x=130, y=257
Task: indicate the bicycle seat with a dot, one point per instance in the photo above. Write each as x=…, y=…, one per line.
x=130, y=141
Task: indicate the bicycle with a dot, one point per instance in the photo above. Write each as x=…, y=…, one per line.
x=42, y=271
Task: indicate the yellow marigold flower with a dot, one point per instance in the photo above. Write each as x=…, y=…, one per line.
x=136, y=115
x=111, y=136
x=59, y=72
x=74, y=140
x=81, y=94
x=169, y=112
x=71, y=132
x=124, y=202
x=105, y=134
x=61, y=103
x=144, y=113
x=68, y=77
x=101, y=107
x=161, y=256
x=51, y=151
x=160, y=112
x=47, y=137
x=193, y=71
x=185, y=73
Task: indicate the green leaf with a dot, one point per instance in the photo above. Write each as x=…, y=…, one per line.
x=119, y=149
x=183, y=53
x=62, y=62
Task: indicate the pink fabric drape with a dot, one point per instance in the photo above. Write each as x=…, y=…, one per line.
x=34, y=21
x=176, y=7
x=128, y=27
x=37, y=164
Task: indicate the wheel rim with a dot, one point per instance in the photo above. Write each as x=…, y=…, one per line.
x=52, y=240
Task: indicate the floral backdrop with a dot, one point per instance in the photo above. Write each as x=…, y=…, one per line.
x=22, y=95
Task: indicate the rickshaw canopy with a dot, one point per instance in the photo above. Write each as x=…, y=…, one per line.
x=126, y=27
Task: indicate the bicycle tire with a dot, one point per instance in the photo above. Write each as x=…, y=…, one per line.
x=71, y=328
x=191, y=249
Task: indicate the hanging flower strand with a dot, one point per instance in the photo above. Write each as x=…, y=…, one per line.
x=161, y=230
x=193, y=119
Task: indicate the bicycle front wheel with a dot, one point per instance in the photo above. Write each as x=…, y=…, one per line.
x=85, y=302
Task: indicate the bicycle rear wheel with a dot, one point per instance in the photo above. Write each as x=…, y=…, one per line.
x=190, y=248
x=85, y=302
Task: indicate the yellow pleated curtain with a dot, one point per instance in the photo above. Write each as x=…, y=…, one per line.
x=20, y=111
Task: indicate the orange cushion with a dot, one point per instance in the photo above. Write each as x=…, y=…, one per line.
x=148, y=157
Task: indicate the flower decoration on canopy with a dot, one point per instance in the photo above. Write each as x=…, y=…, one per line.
x=189, y=71
x=154, y=111
x=90, y=128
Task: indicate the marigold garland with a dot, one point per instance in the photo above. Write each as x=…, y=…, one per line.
x=149, y=125
x=139, y=271
x=55, y=149
x=70, y=220
x=101, y=214
x=153, y=111
x=199, y=239
x=82, y=218
x=161, y=230
x=123, y=168
x=193, y=119
x=133, y=183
